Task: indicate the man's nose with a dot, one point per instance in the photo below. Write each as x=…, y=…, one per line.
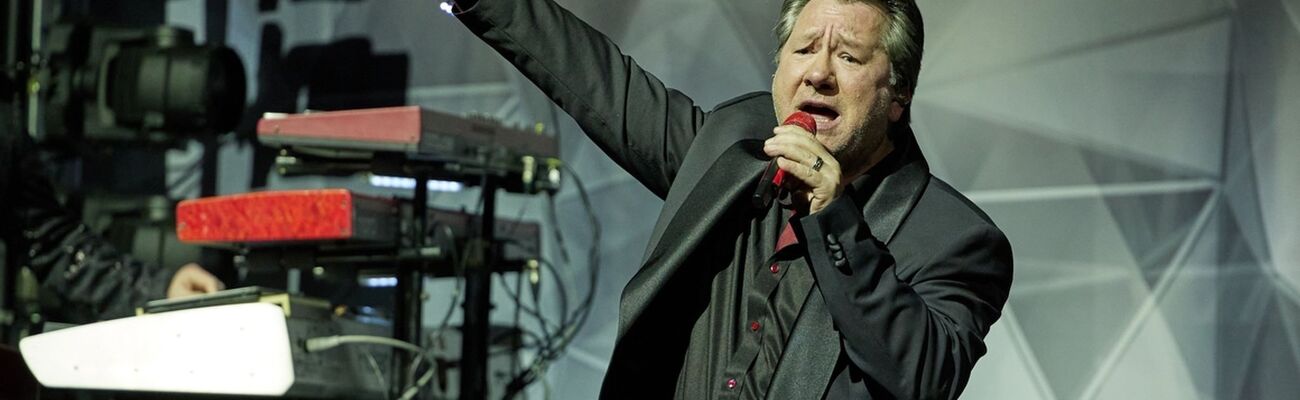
x=820, y=76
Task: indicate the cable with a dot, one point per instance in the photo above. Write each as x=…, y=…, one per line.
x=554, y=221
x=516, y=293
x=572, y=324
x=453, y=7
x=328, y=342
x=534, y=311
x=458, y=264
x=519, y=217
x=568, y=330
x=323, y=343
x=414, y=389
x=548, y=335
x=458, y=268
x=519, y=282
x=584, y=310
x=379, y=374
x=459, y=259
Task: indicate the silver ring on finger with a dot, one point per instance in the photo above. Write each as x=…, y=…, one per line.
x=817, y=165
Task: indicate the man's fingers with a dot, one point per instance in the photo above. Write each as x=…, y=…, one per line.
x=802, y=150
x=794, y=149
x=205, y=282
x=192, y=279
x=208, y=285
x=791, y=153
x=804, y=174
x=809, y=146
x=797, y=151
x=792, y=130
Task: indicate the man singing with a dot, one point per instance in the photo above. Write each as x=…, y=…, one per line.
x=869, y=279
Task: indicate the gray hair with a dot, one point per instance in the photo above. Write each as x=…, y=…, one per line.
x=903, y=37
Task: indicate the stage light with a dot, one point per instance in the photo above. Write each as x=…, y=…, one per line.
x=396, y=182
x=378, y=281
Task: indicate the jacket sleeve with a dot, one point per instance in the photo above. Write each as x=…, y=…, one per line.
x=917, y=337
x=643, y=125
x=83, y=278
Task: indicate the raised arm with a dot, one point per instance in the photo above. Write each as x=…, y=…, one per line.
x=643, y=125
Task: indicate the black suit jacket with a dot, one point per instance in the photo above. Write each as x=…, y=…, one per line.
x=83, y=278
x=910, y=278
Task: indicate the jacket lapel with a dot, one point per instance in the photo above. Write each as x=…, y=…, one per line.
x=728, y=181
x=894, y=199
x=904, y=180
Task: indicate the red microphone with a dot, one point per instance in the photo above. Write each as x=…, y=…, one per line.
x=773, y=176
x=800, y=119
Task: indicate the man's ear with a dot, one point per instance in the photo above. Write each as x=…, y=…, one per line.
x=899, y=105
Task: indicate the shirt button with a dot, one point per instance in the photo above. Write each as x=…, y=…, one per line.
x=754, y=326
x=775, y=268
x=731, y=383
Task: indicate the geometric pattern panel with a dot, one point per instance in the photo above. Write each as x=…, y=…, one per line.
x=1243, y=190
x=968, y=39
x=1244, y=295
x=1154, y=226
x=1048, y=251
x=1267, y=95
x=1008, y=370
x=1150, y=368
x=997, y=154
x=1100, y=154
x=1071, y=327
x=1270, y=372
x=1189, y=306
x=1152, y=97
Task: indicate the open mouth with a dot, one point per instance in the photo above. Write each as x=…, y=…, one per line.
x=824, y=114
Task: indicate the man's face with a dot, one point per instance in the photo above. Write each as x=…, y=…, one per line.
x=835, y=67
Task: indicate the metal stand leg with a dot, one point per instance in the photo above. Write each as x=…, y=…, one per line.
x=407, y=323
x=477, y=307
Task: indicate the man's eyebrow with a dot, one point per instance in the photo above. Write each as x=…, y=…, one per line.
x=810, y=34
x=847, y=39
x=851, y=41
